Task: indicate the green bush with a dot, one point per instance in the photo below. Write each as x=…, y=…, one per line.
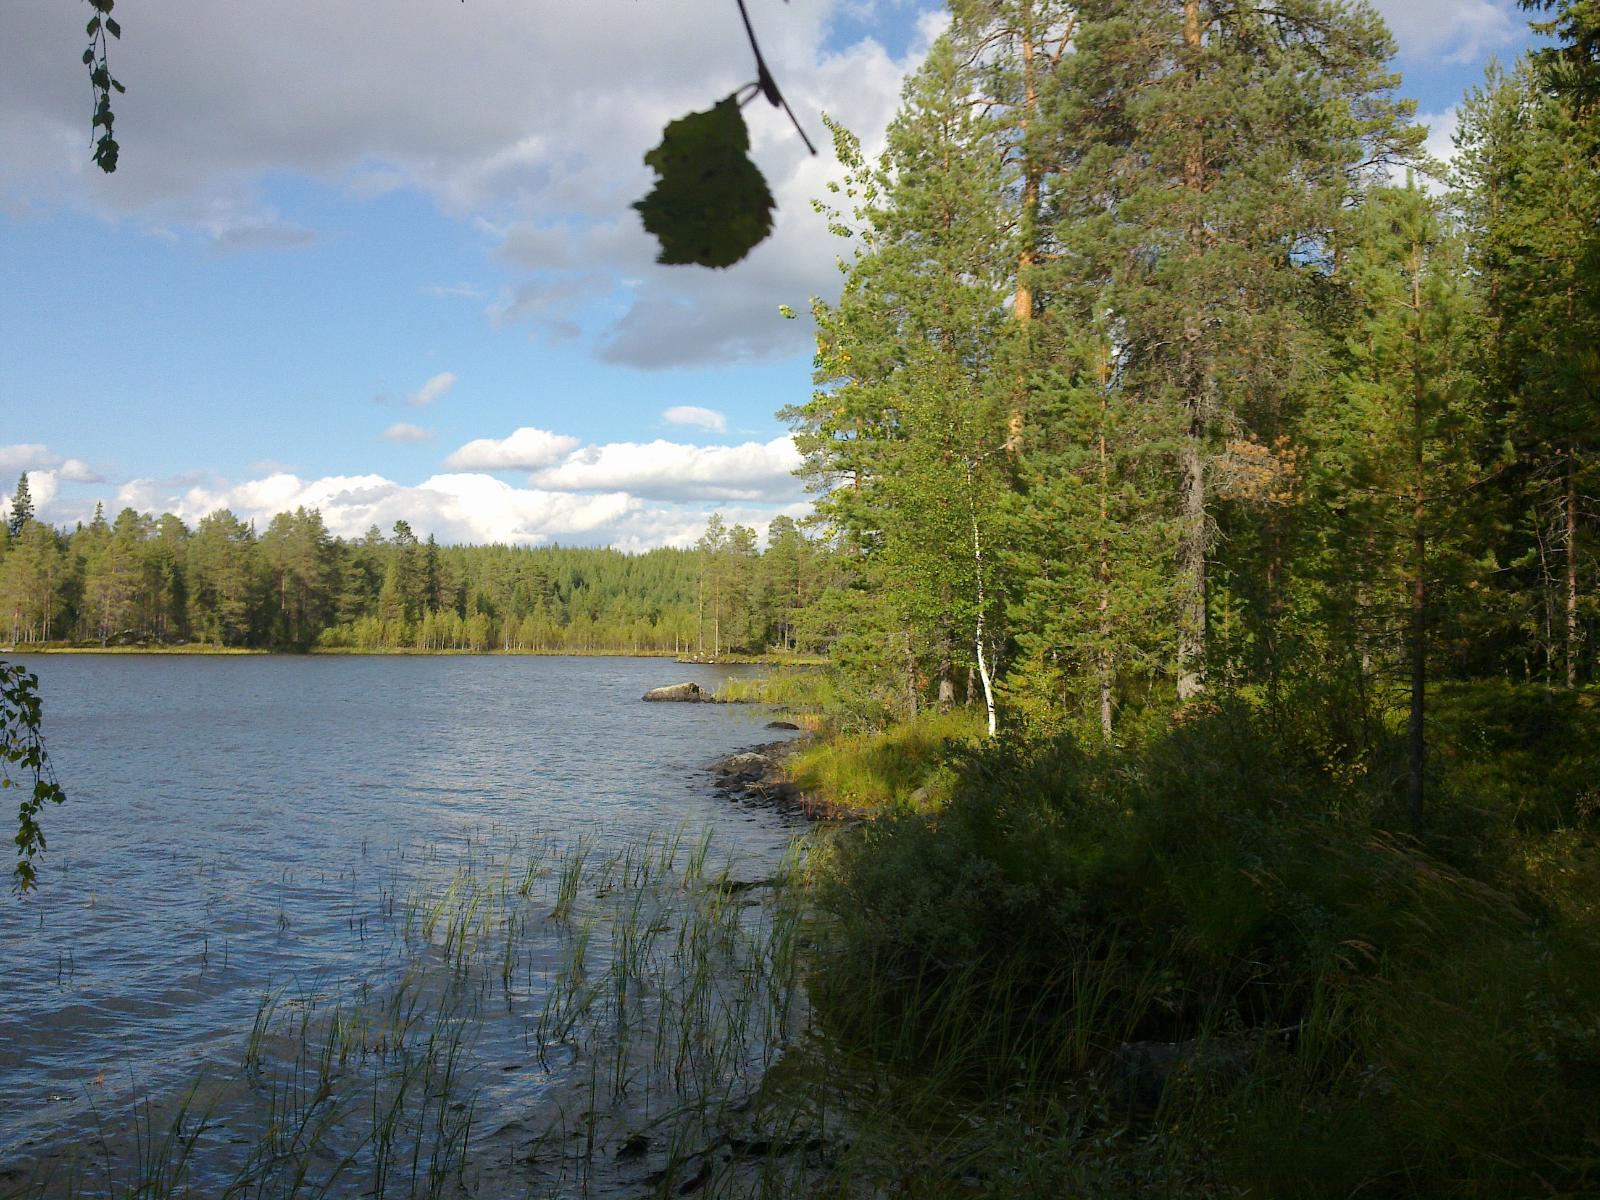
x=1423, y=1019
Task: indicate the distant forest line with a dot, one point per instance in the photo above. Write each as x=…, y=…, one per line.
x=139, y=579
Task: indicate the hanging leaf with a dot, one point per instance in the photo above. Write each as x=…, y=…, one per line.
x=711, y=205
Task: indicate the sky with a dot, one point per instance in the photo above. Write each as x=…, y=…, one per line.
x=380, y=259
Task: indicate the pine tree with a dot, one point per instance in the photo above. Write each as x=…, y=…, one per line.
x=1224, y=142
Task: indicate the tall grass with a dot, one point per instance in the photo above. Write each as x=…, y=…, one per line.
x=650, y=991
x=1341, y=1009
x=878, y=773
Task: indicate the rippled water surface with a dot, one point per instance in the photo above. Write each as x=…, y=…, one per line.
x=235, y=824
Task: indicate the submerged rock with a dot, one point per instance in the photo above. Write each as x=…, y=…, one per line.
x=685, y=693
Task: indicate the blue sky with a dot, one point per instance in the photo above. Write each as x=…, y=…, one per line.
x=344, y=262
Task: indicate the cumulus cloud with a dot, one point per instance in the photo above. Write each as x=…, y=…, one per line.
x=405, y=433
x=665, y=470
x=1442, y=126
x=1457, y=30
x=259, y=231
x=43, y=488
x=454, y=507
x=503, y=113
x=35, y=458
x=527, y=449
x=454, y=291
x=699, y=418
x=433, y=389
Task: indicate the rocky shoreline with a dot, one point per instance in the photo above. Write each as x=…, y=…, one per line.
x=758, y=777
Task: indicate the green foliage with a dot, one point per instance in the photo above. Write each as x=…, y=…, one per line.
x=803, y=690
x=1414, y=1019
x=710, y=205
x=21, y=507
x=102, y=26
x=25, y=766
x=1524, y=755
x=149, y=581
x=1572, y=66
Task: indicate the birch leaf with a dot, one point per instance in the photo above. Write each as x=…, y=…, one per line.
x=711, y=205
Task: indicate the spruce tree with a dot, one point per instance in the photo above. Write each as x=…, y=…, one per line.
x=1398, y=456
x=21, y=506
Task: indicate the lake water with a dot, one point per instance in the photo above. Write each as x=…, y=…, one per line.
x=235, y=823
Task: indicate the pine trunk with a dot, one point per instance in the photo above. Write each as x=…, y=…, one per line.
x=1191, y=466
x=1571, y=506
x=1416, y=741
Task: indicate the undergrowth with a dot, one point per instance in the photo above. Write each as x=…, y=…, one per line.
x=1214, y=962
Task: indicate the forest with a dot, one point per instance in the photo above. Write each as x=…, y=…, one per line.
x=1215, y=475
x=140, y=580
x=1172, y=365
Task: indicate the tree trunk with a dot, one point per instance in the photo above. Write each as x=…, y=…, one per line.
x=1105, y=665
x=1191, y=465
x=981, y=636
x=911, y=677
x=1416, y=741
x=1571, y=505
x=1416, y=746
x=1022, y=302
x=1192, y=567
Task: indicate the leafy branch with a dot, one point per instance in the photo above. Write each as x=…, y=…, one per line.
x=22, y=752
x=711, y=205
x=101, y=28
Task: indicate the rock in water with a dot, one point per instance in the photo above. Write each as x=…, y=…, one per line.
x=746, y=767
x=688, y=693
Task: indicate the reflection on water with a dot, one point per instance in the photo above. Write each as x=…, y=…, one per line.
x=240, y=825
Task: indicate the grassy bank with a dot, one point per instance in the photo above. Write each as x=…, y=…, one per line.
x=1215, y=962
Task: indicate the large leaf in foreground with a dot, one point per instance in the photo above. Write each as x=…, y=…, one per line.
x=711, y=205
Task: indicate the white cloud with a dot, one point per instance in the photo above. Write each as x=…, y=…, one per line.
x=1457, y=30
x=529, y=120
x=698, y=418
x=456, y=507
x=433, y=389
x=665, y=470
x=25, y=456
x=1439, y=146
x=405, y=433
x=1442, y=126
x=75, y=470
x=35, y=457
x=527, y=449
x=43, y=487
x=454, y=291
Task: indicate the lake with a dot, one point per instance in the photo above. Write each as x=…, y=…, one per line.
x=239, y=826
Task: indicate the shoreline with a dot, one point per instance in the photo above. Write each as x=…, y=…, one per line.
x=202, y=650
x=758, y=777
